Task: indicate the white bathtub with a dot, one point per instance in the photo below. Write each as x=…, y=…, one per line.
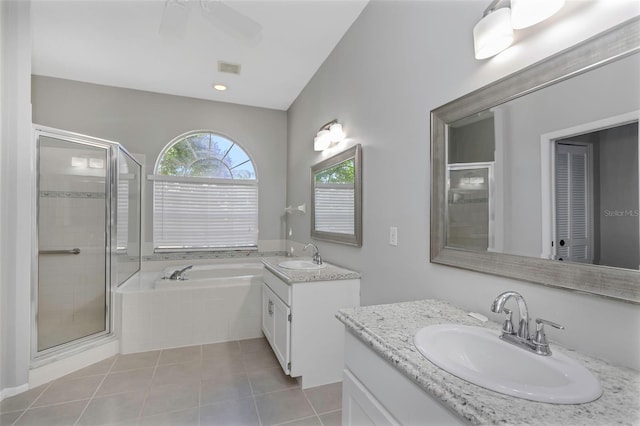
x=217, y=303
x=224, y=274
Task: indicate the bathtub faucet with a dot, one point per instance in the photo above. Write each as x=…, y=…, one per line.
x=177, y=275
x=316, y=253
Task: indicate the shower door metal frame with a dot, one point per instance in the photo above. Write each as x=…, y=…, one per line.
x=83, y=343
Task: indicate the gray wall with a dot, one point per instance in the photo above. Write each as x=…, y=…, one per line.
x=146, y=122
x=399, y=61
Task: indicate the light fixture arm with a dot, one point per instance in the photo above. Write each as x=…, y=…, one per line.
x=494, y=5
x=328, y=125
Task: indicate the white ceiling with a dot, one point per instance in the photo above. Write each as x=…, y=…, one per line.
x=117, y=43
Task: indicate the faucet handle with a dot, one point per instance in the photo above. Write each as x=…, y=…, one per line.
x=540, y=339
x=541, y=322
x=507, y=327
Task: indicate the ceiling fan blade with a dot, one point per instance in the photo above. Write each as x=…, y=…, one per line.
x=174, y=18
x=230, y=20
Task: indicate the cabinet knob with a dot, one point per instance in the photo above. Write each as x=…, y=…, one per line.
x=270, y=307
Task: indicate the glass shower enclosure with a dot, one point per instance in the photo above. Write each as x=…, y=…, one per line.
x=88, y=237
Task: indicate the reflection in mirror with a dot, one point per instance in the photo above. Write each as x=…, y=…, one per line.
x=535, y=177
x=566, y=172
x=336, y=198
x=471, y=199
x=595, y=212
x=470, y=218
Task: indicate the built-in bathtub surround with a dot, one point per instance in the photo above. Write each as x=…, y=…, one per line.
x=389, y=329
x=218, y=302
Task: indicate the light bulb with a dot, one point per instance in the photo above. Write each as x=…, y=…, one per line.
x=322, y=140
x=525, y=13
x=337, y=134
x=493, y=33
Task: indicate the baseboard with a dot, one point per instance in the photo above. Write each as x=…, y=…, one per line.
x=54, y=370
x=9, y=392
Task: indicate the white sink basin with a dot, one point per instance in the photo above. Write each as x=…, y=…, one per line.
x=478, y=356
x=301, y=265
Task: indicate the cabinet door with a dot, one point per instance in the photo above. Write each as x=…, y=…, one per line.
x=360, y=407
x=267, y=313
x=279, y=326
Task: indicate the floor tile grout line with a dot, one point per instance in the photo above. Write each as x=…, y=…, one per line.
x=33, y=402
x=253, y=397
x=277, y=390
x=96, y=391
x=148, y=390
x=156, y=366
x=328, y=412
x=49, y=384
x=200, y=383
x=288, y=422
x=310, y=403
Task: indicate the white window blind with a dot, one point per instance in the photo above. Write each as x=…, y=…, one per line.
x=334, y=207
x=572, y=197
x=192, y=215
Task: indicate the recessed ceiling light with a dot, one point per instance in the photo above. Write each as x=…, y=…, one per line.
x=220, y=87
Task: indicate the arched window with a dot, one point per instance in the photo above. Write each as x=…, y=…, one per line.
x=205, y=195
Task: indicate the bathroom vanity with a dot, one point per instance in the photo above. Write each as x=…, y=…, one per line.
x=298, y=318
x=388, y=381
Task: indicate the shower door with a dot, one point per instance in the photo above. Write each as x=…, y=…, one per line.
x=72, y=295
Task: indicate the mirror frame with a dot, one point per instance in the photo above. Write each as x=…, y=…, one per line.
x=354, y=239
x=616, y=283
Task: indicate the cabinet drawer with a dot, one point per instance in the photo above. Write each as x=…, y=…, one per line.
x=279, y=287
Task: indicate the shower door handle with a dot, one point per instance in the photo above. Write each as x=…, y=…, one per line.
x=72, y=251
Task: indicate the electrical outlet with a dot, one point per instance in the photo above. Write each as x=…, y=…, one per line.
x=393, y=236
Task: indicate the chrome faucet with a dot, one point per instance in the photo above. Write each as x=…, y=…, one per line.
x=523, y=324
x=521, y=338
x=178, y=274
x=316, y=253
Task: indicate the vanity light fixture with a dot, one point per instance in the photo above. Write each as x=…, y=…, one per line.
x=328, y=134
x=494, y=32
x=525, y=13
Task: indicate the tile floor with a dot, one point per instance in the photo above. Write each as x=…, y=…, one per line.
x=231, y=383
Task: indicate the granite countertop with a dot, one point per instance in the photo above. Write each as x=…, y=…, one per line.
x=389, y=330
x=290, y=276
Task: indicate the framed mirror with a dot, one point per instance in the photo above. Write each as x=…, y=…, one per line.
x=535, y=177
x=336, y=198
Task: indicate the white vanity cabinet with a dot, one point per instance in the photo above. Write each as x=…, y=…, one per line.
x=276, y=320
x=298, y=320
x=375, y=393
